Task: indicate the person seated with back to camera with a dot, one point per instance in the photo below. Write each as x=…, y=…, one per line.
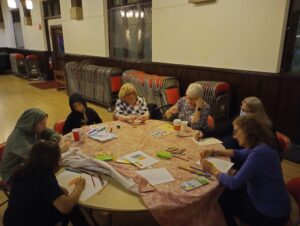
x=36, y=198
x=192, y=108
x=130, y=106
x=256, y=194
x=80, y=115
x=30, y=128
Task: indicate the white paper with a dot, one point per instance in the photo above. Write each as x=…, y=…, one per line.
x=66, y=177
x=140, y=159
x=222, y=165
x=156, y=176
x=103, y=136
x=207, y=141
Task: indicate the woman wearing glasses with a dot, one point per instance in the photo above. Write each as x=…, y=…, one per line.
x=130, y=107
x=256, y=194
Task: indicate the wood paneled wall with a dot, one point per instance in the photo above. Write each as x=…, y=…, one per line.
x=279, y=92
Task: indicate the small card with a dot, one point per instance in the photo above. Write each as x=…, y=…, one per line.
x=140, y=159
x=195, y=183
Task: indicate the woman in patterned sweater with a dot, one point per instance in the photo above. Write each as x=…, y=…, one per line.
x=192, y=108
x=130, y=107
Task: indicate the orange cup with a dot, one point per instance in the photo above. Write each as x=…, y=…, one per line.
x=76, y=134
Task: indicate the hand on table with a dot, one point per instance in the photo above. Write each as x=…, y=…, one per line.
x=205, y=153
x=198, y=135
x=80, y=184
x=208, y=166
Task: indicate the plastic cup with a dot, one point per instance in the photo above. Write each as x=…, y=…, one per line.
x=177, y=124
x=76, y=134
x=184, y=126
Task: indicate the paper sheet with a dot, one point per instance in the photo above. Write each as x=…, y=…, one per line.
x=221, y=165
x=65, y=180
x=103, y=136
x=162, y=130
x=207, y=141
x=156, y=176
x=140, y=159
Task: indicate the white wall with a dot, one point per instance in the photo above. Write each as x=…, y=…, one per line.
x=232, y=34
x=87, y=36
x=34, y=37
x=243, y=34
x=7, y=37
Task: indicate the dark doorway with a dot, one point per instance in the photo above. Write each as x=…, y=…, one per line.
x=57, y=46
x=17, y=28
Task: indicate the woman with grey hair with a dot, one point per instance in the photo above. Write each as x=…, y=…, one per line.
x=192, y=108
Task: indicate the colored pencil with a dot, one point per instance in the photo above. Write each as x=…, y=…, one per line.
x=93, y=181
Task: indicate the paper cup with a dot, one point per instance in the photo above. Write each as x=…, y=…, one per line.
x=76, y=134
x=177, y=124
x=184, y=126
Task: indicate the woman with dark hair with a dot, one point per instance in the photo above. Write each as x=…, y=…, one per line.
x=256, y=194
x=81, y=114
x=36, y=198
x=30, y=128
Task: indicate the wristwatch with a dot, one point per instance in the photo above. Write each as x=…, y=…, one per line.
x=199, y=109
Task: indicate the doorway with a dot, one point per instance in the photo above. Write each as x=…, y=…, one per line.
x=17, y=28
x=58, y=47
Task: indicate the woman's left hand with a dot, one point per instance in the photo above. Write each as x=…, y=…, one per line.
x=208, y=166
x=199, y=103
x=143, y=117
x=198, y=135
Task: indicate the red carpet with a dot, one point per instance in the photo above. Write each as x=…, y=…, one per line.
x=44, y=85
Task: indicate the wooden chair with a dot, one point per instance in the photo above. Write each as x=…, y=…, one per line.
x=58, y=126
x=3, y=185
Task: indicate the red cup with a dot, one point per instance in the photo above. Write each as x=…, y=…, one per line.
x=76, y=134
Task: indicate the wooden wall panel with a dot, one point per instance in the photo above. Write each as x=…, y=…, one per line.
x=280, y=92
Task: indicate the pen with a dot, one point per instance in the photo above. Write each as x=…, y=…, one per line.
x=92, y=131
x=193, y=171
x=93, y=180
x=72, y=170
x=205, y=172
x=101, y=180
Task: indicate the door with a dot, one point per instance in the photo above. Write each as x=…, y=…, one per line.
x=17, y=28
x=57, y=47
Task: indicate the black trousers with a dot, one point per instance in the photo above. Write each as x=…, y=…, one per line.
x=236, y=204
x=75, y=216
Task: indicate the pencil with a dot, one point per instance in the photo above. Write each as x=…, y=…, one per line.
x=101, y=180
x=93, y=180
x=193, y=171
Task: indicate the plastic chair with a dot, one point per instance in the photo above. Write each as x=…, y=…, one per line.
x=58, y=126
x=210, y=122
x=283, y=142
x=3, y=185
x=293, y=187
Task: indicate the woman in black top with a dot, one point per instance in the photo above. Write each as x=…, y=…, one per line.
x=80, y=115
x=36, y=198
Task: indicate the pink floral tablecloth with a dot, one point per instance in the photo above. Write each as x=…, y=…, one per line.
x=169, y=203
